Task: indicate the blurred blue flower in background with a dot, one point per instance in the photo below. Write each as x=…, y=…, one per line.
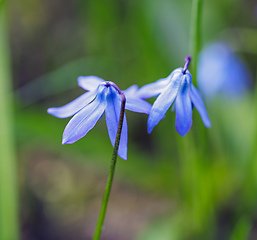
x=102, y=96
x=221, y=72
x=177, y=88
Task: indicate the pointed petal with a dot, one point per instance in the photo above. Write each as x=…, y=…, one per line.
x=183, y=121
x=199, y=105
x=85, y=119
x=123, y=147
x=72, y=107
x=89, y=83
x=138, y=105
x=134, y=103
x=131, y=91
x=163, y=102
x=112, y=115
x=153, y=89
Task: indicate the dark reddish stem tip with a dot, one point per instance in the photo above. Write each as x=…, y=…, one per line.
x=187, y=61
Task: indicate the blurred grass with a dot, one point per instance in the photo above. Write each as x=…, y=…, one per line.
x=9, y=229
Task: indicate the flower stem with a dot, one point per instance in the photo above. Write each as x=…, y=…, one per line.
x=99, y=226
x=9, y=223
x=195, y=35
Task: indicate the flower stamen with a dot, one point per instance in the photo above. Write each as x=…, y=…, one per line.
x=187, y=61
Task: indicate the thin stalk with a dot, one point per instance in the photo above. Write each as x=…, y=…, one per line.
x=9, y=227
x=102, y=213
x=195, y=35
x=195, y=46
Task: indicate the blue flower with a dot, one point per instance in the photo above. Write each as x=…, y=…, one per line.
x=176, y=89
x=221, y=72
x=87, y=109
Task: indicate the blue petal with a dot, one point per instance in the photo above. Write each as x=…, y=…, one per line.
x=134, y=103
x=85, y=119
x=131, y=91
x=112, y=115
x=199, y=105
x=163, y=102
x=154, y=89
x=183, y=121
x=89, y=83
x=72, y=107
x=137, y=105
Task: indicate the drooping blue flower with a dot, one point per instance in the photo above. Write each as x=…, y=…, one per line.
x=176, y=89
x=87, y=109
x=221, y=72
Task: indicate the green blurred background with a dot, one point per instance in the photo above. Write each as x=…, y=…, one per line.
x=202, y=186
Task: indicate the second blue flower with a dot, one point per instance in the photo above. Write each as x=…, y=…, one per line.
x=176, y=89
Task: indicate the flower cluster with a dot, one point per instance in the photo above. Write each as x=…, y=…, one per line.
x=105, y=97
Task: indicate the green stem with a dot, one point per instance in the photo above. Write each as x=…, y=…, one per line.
x=9, y=224
x=195, y=46
x=108, y=187
x=191, y=164
x=195, y=35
